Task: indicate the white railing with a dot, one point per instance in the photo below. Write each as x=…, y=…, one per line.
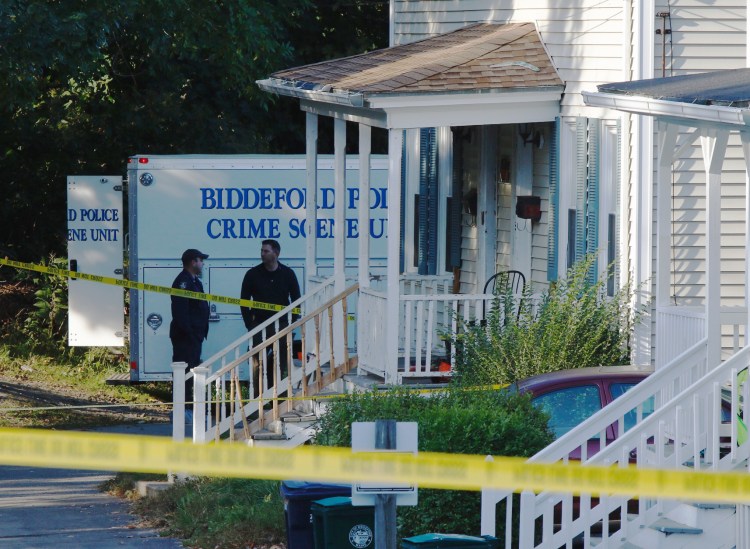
x=428, y=322
x=679, y=327
x=371, y=339
x=232, y=388
x=412, y=284
x=429, y=317
x=589, y=440
x=696, y=427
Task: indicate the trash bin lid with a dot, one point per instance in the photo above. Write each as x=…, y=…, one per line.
x=312, y=490
x=333, y=502
x=449, y=540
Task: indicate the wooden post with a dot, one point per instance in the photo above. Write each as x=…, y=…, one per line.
x=385, y=505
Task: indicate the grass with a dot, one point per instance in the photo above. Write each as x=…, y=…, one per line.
x=204, y=512
x=46, y=392
x=219, y=512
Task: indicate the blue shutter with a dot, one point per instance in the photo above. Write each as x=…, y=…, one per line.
x=434, y=206
x=553, y=238
x=592, y=198
x=580, y=182
x=428, y=202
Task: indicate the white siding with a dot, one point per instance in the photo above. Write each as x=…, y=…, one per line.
x=584, y=38
x=505, y=210
x=470, y=180
x=539, y=236
x=704, y=36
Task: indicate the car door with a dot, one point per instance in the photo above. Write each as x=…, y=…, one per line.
x=571, y=403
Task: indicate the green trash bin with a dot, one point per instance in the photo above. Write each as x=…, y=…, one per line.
x=339, y=525
x=451, y=541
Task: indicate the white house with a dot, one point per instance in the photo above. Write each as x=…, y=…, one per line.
x=502, y=156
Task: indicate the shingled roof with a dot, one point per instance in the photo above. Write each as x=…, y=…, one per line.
x=479, y=57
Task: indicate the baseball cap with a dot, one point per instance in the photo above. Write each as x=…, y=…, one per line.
x=192, y=253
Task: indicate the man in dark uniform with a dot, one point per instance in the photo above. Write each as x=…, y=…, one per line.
x=269, y=282
x=189, y=325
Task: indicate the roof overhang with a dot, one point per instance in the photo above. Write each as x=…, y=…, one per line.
x=486, y=73
x=420, y=110
x=685, y=114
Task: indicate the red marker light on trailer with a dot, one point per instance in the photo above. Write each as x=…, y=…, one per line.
x=143, y=160
x=133, y=365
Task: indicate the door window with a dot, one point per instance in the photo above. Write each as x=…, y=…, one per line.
x=569, y=407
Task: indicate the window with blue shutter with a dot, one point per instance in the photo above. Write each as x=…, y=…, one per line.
x=427, y=208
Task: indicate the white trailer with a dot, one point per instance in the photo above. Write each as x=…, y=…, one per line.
x=224, y=205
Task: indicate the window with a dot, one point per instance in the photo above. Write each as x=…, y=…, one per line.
x=569, y=407
x=619, y=389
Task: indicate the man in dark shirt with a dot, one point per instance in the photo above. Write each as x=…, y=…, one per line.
x=269, y=282
x=189, y=326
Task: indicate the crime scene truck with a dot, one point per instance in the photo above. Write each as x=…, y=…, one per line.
x=223, y=205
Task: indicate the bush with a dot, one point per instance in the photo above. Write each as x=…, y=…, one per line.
x=219, y=512
x=454, y=421
x=572, y=325
x=43, y=327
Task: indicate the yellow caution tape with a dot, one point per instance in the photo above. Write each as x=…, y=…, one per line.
x=145, y=287
x=109, y=452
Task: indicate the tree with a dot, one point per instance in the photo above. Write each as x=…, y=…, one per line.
x=89, y=82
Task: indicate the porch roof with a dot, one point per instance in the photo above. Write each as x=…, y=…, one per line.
x=716, y=98
x=479, y=66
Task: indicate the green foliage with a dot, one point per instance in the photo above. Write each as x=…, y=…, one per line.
x=219, y=512
x=104, y=79
x=573, y=325
x=456, y=421
x=45, y=327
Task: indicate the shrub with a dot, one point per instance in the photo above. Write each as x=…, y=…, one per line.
x=455, y=421
x=219, y=512
x=572, y=325
x=45, y=326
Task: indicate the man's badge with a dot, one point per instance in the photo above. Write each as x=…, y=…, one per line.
x=183, y=285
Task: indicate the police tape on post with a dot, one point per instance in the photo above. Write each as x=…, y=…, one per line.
x=98, y=451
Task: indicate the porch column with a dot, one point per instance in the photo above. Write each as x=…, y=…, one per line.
x=667, y=142
x=745, y=137
x=339, y=213
x=713, y=144
x=392, y=320
x=487, y=207
x=365, y=140
x=311, y=202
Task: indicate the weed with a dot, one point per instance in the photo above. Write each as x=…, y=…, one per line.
x=219, y=512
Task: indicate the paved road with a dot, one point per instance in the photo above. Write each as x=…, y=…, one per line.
x=61, y=508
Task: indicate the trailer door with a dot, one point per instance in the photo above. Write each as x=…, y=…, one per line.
x=95, y=246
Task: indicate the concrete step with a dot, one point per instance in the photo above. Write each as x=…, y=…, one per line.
x=266, y=434
x=669, y=527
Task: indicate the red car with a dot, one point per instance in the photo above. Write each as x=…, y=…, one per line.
x=572, y=396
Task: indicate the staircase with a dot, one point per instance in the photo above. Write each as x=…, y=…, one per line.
x=695, y=425
x=281, y=412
